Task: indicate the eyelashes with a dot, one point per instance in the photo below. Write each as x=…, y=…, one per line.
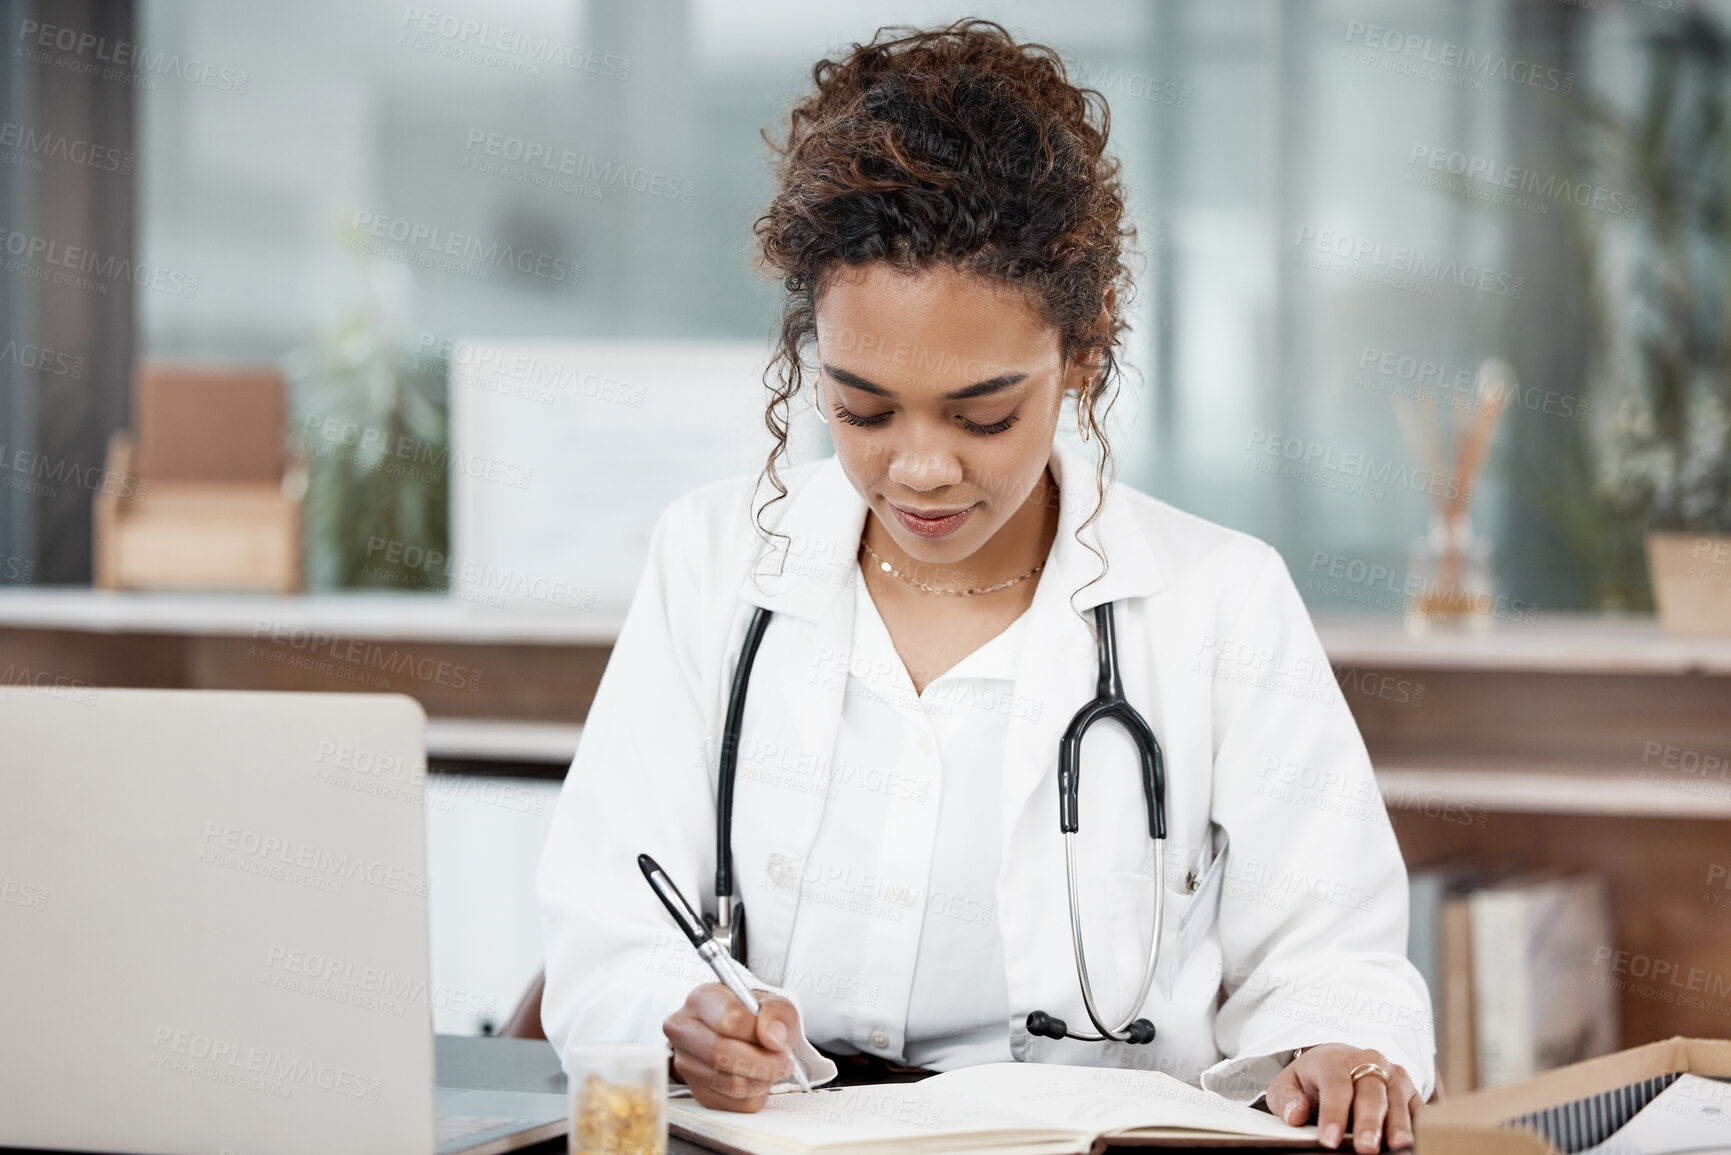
x=852, y=418
x=843, y=414
x=994, y=427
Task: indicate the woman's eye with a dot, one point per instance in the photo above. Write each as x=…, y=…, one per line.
x=994, y=427
x=853, y=418
x=843, y=413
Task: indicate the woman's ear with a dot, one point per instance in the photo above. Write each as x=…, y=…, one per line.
x=1084, y=372
x=1101, y=332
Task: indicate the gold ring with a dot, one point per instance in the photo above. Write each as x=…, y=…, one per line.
x=1364, y=1069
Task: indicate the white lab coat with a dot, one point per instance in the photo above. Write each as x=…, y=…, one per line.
x=1285, y=913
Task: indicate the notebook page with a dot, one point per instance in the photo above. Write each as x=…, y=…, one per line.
x=898, y=1116
x=1101, y=1099
x=1692, y=1114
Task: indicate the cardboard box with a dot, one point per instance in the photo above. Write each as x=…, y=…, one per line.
x=1588, y=1099
x=208, y=423
x=197, y=535
x=211, y=499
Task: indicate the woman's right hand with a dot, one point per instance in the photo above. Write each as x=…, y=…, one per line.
x=726, y=1055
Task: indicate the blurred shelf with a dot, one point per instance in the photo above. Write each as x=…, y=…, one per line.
x=1526, y=786
x=410, y=617
x=1551, y=642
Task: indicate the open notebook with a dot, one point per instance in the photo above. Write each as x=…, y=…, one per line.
x=1027, y=1108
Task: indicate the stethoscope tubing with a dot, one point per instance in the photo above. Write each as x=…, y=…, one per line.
x=1109, y=702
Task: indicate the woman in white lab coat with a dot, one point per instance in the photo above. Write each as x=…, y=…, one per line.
x=949, y=227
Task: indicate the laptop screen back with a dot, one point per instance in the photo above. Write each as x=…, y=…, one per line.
x=213, y=922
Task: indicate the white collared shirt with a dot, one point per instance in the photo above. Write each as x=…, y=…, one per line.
x=911, y=839
x=1269, y=787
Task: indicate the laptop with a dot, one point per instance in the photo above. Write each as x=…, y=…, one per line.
x=213, y=930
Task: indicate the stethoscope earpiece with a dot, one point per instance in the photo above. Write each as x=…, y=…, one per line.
x=1040, y=1023
x=1051, y=1027
x=1140, y=1031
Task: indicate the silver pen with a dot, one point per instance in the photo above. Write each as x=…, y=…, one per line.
x=708, y=949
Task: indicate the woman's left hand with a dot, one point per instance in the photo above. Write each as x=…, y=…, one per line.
x=1321, y=1078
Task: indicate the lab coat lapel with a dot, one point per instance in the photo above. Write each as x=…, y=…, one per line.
x=808, y=580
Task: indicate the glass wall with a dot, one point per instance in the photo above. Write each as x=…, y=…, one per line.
x=1345, y=211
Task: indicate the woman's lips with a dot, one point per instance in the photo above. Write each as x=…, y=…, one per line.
x=931, y=526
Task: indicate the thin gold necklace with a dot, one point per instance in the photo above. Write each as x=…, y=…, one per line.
x=895, y=573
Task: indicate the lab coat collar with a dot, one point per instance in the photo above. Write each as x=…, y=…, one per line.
x=803, y=573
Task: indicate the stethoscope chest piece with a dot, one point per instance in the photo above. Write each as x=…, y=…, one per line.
x=732, y=934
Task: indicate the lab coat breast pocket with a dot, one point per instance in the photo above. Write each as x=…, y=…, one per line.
x=1188, y=918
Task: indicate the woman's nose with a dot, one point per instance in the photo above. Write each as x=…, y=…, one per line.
x=925, y=469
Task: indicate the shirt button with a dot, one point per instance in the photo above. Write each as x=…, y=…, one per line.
x=880, y=1038
x=925, y=743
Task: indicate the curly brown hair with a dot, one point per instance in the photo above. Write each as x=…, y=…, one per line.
x=955, y=145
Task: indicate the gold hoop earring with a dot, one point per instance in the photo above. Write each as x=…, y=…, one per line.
x=1084, y=406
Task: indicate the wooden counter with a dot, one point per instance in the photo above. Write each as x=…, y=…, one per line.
x=1575, y=741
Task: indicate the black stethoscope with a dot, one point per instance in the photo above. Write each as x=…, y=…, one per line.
x=728, y=923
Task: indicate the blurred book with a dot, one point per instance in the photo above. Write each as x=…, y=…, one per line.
x=1509, y=962
x=1537, y=1005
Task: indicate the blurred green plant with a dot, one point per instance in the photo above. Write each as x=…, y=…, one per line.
x=1660, y=287
x=372, y=423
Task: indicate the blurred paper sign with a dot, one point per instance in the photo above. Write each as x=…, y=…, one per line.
x=563, y=454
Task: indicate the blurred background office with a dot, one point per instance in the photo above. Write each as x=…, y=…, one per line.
x=409, y=318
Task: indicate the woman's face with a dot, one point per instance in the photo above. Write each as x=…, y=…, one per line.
x=942, y=391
